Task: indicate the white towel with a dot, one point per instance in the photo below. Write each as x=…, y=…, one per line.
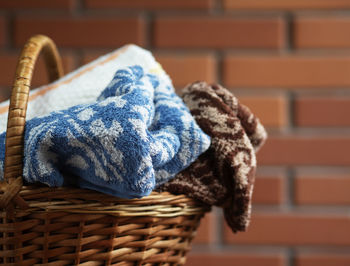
x=86, y=83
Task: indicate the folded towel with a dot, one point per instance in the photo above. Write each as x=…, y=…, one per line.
x=138, y=134
x=86, y=83
x=224, y=174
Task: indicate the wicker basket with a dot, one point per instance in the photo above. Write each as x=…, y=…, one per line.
x=68, y=226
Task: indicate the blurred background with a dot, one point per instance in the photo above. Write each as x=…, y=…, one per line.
x=288, y=60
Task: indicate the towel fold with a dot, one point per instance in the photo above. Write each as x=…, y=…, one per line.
x=223, y=175
x=137, y=134
x=85, y=84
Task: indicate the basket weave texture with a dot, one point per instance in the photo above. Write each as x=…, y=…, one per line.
x=70, y=226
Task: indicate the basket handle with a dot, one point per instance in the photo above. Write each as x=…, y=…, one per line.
x=13, y=167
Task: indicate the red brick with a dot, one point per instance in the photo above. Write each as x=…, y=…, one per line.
x=272, y=111
x=322, y=259
x=285, y=4
x=82, y=32
x=294, y=229
x=151, y=4
x=223, y=259
x=305, y=150
x=184, y=69
x=322, y=189
x=206, y=232
x=8, y=68
x=22, y=4
x=322, y=111
x=322, y=32
x=2, y=31
x=89, y=56
x=209, y=32
x=286, y=71
x=268, y=190
x=5, y=93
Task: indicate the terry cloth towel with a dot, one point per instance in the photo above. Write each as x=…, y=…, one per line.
x=86, y=83
x=224, y=174
x=138, y=134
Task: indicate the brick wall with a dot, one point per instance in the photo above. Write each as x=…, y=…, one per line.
x=288, y=60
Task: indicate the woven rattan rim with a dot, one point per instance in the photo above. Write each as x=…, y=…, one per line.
x=73, y=200
x=13, y=167
x=19, y=98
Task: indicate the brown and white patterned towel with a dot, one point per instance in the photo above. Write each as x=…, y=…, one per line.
x=224, y=175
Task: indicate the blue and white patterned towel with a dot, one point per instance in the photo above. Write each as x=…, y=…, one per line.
x=138, y=134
